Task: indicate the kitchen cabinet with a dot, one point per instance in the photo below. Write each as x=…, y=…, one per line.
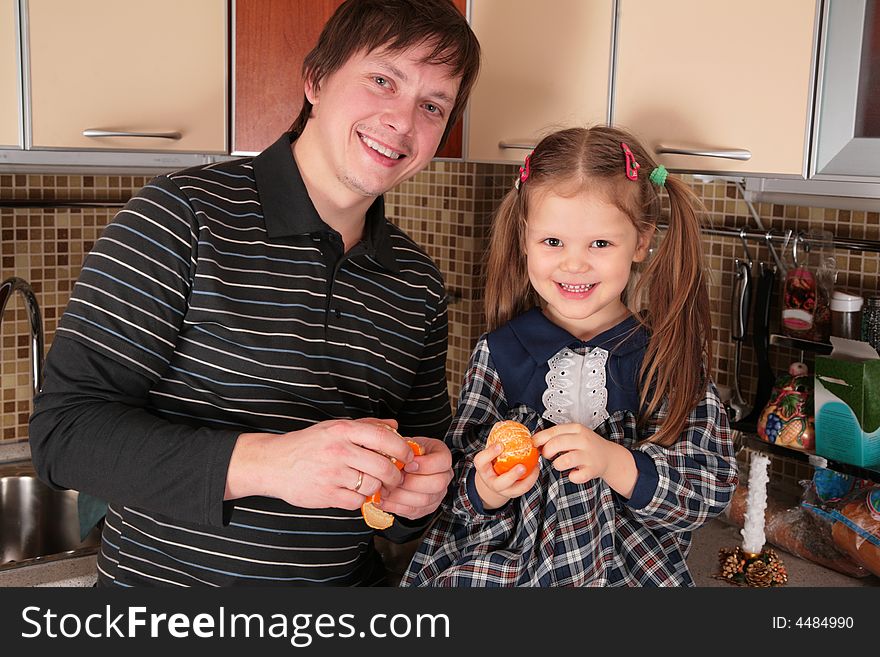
x=271, y=39
x=730, y=79
x=126, y=75
x=847, y=130
x=545, y=66
x=10, y=88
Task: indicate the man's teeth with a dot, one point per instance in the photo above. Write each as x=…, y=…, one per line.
x=379, y=148
x=576, y=288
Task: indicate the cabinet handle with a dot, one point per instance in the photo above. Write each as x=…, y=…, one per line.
x=732, y=154
x=96, y=132
x=517, y=145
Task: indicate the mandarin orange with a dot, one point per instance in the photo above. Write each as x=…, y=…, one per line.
x=516, y=440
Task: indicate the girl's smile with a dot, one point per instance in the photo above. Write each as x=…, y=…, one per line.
x=576, y=291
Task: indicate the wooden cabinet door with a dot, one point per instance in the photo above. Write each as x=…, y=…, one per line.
x=124, y=66
x=271, y=40
x=718, y=76
x=10, y=67
x=546, y=65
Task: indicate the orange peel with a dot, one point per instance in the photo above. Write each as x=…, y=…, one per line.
x=373, y=515
x=417, y=450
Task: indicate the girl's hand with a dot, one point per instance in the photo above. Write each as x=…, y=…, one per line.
x=576, y=448
x=496, y=490
x=587, y=455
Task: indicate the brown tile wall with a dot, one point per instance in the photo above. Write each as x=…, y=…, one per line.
x=46, y=247
x=447, y=209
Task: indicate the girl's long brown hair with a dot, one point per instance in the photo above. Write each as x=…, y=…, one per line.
x=677, y=358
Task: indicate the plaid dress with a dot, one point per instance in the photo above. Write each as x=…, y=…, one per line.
x=560, y=533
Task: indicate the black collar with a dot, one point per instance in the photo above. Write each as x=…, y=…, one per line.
x=288, y=210
x=543, y=339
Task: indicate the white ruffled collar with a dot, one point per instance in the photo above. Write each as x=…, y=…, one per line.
x=576, y=389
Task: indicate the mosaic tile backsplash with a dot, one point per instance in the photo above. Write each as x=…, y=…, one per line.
x=447, y=209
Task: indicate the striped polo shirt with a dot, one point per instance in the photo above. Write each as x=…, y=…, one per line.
x=222, y=288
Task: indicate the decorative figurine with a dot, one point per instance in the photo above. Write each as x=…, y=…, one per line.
x=788, y=419
x=753, y=564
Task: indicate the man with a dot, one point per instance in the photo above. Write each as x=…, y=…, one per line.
x=244, y=334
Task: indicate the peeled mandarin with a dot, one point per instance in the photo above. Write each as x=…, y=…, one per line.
x=516, y=441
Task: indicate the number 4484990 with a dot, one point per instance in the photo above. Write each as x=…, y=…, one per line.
x=824, y=622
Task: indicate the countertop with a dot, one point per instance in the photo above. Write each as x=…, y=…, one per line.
x=77, y=571
x=14, y=450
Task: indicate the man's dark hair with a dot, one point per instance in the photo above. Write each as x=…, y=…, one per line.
x=395, y=25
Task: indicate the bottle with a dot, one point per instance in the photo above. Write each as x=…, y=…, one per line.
x=871, y=322
x=805, y=311
x=846, y=315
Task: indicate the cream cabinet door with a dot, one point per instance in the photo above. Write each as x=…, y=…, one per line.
x=723, y=77
x=545, y=66
x=10, y=66
x=145, y=75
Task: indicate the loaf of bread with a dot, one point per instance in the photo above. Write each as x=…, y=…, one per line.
x=859, y=540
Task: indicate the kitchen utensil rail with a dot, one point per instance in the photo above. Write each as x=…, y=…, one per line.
x=871, y=246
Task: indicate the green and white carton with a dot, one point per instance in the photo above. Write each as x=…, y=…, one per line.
x=847, y=403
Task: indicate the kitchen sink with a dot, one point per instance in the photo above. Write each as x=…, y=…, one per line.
x=37, y=522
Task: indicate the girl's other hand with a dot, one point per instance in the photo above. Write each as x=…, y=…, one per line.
x=575, y=448
x=496, y=490
x=587, y=455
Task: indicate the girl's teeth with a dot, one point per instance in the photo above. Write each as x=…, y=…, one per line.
x=387, y=152
x=576, y=288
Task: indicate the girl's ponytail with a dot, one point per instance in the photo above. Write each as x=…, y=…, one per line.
x=674, y=370
x=508, y=291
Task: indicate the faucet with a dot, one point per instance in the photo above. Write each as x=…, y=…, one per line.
x=15, y=284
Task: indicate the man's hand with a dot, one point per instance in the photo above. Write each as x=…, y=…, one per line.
x=426, y=479
x=319, y=467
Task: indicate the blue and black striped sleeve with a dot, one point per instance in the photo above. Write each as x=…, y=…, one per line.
x=90, y=429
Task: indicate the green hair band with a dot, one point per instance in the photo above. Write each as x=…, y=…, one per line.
x=658, y=176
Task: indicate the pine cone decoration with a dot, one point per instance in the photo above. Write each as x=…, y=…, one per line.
x=779, y=575
x=729, y=567
x=759, y=574
x=731, y=564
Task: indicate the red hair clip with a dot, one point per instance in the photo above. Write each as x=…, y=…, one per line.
x=524, y=171
x=632, y=167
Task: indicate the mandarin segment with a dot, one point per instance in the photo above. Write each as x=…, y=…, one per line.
x=516, y=441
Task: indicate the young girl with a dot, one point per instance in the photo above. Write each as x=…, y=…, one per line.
x=635, y=444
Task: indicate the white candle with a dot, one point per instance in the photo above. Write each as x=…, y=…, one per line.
x=756, y=504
